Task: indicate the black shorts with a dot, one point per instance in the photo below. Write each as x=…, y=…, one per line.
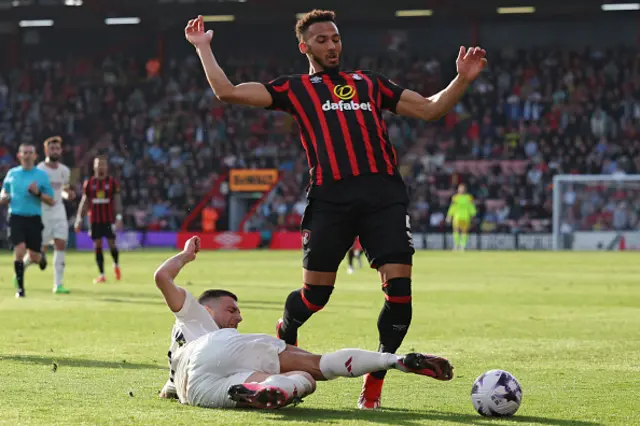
x=376, y=212
x=27, y=230
x=102, y=230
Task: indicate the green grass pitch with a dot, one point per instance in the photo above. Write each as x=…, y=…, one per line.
x=566, y=325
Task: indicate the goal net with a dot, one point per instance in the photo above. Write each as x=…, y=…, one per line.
x=596, y=212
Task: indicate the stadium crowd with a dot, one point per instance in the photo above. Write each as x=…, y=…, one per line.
x=533, y=114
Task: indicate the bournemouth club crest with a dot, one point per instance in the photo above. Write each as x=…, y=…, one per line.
x=306, y=236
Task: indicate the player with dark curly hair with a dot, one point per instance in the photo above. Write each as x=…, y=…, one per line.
x=355, y=188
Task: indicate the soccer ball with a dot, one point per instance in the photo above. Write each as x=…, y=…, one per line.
x=496, y=393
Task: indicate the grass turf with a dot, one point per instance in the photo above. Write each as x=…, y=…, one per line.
x=566, y=325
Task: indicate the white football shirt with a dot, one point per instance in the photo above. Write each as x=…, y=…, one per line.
x=59, y=178
x=192, y=322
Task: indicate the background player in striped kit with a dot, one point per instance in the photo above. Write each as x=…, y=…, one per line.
x=101, y=200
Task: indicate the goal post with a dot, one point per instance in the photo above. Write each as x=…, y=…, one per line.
x=596, y=212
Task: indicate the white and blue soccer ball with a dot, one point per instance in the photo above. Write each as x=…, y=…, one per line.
x=496, y=393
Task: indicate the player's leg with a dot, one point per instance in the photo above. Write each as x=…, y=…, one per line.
x=357, y=252
x=61, y=235
x=358, y=362
x=33, y=240
x=115, y=254
x=226, y=367
x=385, y=234
x=19, y=252
x=327, y=234
x=463, y=226
x=46, y=237
x=269, y=391
x=456, y=234
x=26, y=235
x=41, y=262
x=350, y=256
x=18, y=241
x=96, y=236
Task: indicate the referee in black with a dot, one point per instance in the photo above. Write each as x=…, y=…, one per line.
x=24, y=188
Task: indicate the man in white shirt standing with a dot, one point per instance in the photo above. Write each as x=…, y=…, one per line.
x=212, y=365
x=54, y=218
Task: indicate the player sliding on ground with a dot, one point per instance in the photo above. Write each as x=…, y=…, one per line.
x=462, y=211
x=212, y=365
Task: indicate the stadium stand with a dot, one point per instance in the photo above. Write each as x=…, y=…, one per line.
x=533, y=114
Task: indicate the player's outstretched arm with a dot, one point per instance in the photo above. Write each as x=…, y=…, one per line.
x=251, y=94
x=469, y=65
x=169, y=270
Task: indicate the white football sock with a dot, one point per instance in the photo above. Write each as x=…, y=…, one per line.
x=354, y=363
x=58, y=262
x=294, y=384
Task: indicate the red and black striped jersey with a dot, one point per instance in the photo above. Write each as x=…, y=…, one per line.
x=340, y=120
x=100, y=193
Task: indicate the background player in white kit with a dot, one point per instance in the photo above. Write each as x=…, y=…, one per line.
x=54, y=218
x=212, y=365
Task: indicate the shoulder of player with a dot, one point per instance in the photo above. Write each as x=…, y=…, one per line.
x=369, y=73
x=42, y=173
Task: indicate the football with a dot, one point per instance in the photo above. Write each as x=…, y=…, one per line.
x=496, y=393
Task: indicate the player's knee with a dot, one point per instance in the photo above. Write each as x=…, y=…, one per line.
x=311, y=381
x=397, y=290
x=20, y=250
x=303, y=380
x=315, y=297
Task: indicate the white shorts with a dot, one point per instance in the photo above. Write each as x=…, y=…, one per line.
x=225, y=358
x=54, y=228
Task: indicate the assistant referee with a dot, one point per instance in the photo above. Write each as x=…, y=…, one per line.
x=24, y=188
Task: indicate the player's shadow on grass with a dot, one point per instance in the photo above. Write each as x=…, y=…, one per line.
x=401, y=417
x=62, y=362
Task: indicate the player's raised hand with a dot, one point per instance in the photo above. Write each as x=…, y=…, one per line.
x=191, y=248
x=471, y=62
x=195, y=34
